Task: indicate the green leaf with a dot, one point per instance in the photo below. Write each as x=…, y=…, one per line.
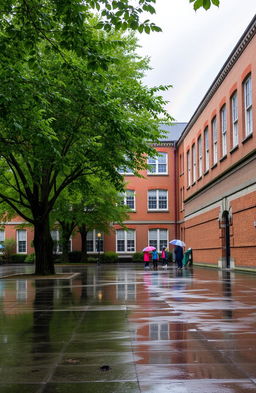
x=198, y=4
x=147, y=29
x=207, y=4
x=216, y=2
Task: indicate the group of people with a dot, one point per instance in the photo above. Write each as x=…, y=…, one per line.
x=154, y=257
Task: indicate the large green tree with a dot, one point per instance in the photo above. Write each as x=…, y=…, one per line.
x=72, y=105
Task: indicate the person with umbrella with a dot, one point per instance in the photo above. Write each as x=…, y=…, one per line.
x=178, y=251
x=147, y=256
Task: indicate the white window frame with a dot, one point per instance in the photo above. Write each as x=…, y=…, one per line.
x=95, y=240
x=206, y=150
x=126, y=196
x=193, y=163
x=158, y=240
x=214, y=141
x=234, y=114
x=188, y=169
x=223, y=122
x=247, y=88
x=156, y=164
x=200, y=156
x=18, y=240
x=157, y=208
x=2, y=239
x=126, y=241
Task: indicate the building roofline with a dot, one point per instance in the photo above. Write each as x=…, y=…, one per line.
x=230, y=62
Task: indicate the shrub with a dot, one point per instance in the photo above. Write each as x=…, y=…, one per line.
x=9, y=249
x=74, y=256
x=170, y=257
x=18, y=258
x=137, y=257
x=92, y=259
x=30, y=258
x=109, y=257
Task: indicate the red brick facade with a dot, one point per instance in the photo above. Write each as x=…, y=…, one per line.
x=219, y=216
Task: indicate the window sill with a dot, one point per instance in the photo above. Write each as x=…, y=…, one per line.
x=247, y=138
x=206, y=172
x=214, y=165
x=188, y=188
x=223, y=158
x=157, y=174
x=193, y=183
x=200, y=178
x=235, y=148
x=158, y=211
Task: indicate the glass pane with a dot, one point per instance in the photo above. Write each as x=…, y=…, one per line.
x=120, y=245
x=1, y=235
x=120, y=234
x=130, y=235
x=130, y=245
x=21, y=234
x=89, y=244
x=22, y=246
x=89, y=235
x=152, y=234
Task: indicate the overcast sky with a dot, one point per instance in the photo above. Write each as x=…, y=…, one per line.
x=192, y=48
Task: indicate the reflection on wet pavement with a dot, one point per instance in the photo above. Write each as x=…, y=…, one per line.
x=120, y=329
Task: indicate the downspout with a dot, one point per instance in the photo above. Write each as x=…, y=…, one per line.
x=175, y=192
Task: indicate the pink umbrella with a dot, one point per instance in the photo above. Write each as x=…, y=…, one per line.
x=148, y=249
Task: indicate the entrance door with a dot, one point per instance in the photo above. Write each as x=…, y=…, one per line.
x=226, y=237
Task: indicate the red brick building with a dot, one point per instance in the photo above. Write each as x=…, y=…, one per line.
x=202, y=186
x=217, y=165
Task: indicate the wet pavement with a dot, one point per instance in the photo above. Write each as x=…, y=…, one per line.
x=120, y=329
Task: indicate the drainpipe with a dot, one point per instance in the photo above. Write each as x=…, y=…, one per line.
x=175, y=191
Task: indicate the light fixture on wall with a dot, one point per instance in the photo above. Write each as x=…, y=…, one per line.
x=98, y=245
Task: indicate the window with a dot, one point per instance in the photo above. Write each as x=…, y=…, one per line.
x=234, y=112
x=223, y=122
x=125, y=240
x=157, y=200
x=2, y=236
x=129, y=199
x=181, y=198
x=181, y=163
x=206, y=150
x=193, y=163
x=200, y=157
x=214, y=141
x=57, y=246
x=93, y=242
x=21, y=241
x=158, y=165
x=248, y=105
x=158, y=238
x=188, y=169
x=125, y=171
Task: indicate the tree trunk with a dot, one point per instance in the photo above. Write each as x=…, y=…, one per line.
x=66, y=232
x=43, y=244
x=83, y=232
x=65, y=242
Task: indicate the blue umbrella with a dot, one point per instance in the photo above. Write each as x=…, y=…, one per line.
x=177, y=242
x=1, y=246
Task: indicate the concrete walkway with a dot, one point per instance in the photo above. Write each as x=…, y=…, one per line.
x=119, y=329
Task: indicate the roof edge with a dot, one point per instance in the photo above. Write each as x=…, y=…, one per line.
x=245, y=39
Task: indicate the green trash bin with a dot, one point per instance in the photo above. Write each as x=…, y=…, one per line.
x=187, y=258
